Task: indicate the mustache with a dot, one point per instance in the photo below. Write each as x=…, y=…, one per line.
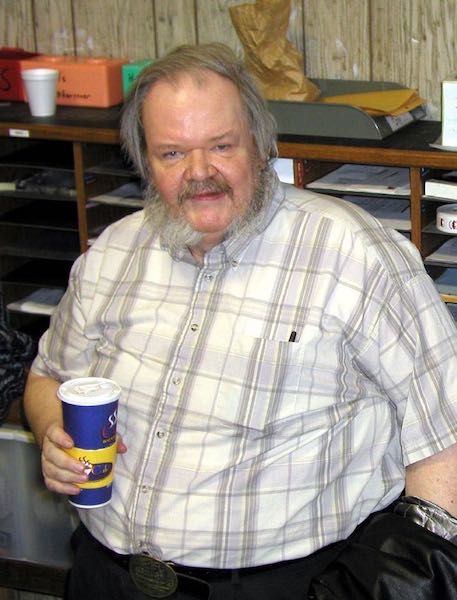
x=207, y=186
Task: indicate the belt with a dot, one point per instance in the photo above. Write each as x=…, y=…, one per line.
x=160, y=579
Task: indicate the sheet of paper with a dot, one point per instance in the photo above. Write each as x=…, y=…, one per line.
x=365, y=178
x=42, y=301
x=446, y=283
x=445, y=253
x=392, y=212
x=284, y=167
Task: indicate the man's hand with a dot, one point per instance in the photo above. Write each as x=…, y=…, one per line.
x=61, y=472
x=43, y=410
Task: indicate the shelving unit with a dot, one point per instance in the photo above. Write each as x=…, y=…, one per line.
x=43, y=227
x=409, y=147
x=41, y=234
x=382, y=191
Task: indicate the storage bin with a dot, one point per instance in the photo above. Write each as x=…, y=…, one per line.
x=93, y=82
x=11, y=87
x=130, y=72
x=35, y=524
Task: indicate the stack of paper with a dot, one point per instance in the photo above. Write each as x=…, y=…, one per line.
x=42, y=301
x=367, y=179
x=284, y=167
x=394, y=102
x=392, y=212
x=447, y=190
x=446, y=283
x=128, y=194
x=447, y=253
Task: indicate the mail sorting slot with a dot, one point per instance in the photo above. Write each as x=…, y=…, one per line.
x=35, y=524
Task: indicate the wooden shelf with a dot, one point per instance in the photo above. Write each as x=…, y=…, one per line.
x=408, y=147
x=70, y=124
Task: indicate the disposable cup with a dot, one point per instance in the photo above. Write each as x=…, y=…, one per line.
x=89, y=407
x=41, y=90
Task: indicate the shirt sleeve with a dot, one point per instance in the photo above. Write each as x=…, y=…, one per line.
x=412, y=355
x=65, y=349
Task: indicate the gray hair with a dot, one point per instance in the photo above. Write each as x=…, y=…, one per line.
x=214, y=57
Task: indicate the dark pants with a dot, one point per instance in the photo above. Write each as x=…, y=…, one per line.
x=96, y=576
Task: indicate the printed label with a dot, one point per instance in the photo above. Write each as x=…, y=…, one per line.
x=99, y=465
x=23, y=133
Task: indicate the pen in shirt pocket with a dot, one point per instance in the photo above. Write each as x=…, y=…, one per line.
x=293, y=336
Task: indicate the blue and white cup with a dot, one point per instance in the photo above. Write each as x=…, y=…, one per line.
x=89, y=407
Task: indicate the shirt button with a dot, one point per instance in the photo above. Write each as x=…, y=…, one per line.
x=194, y=326
x=144, y=489
x=209, y=277
x=176, y=380
x=160, y=434
x=234, y=263
x=141, y=545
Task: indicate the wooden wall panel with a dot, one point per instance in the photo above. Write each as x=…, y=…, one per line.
x=16, y=24
x=336, y=34
x=436, y=57
x=295, y=32
x=395, y=40
x=54, y=27
x=175, y=24
x=115, y=28
x=214, y=23
x=414, y=43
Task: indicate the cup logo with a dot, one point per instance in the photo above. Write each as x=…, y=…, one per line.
x=108, y=431
x=96, y=471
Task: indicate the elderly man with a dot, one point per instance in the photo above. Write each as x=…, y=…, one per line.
x=287, y=369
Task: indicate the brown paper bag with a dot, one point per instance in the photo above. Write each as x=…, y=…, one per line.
x=277, y=65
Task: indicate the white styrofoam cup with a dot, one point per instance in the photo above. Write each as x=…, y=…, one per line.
x=41, y=90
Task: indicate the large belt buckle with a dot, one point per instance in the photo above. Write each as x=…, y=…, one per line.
x=153, y=577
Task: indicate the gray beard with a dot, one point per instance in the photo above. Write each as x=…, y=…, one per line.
x=177, y=235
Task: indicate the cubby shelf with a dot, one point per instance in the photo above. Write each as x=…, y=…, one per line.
x=84, y=142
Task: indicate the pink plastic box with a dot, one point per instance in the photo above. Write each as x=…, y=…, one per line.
x=84, y=81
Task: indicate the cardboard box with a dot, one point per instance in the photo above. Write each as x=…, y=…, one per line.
x=84, y=81
x=130, y=72
x=11, y=87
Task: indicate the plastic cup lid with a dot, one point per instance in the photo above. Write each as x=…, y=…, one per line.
x=88, y=391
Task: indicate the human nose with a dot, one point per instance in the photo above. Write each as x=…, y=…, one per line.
x=199, y=166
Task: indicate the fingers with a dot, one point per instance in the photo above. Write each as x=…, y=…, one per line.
x=121, y=447
x=61, y=472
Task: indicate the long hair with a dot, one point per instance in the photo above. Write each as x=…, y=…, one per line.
x=197, y=59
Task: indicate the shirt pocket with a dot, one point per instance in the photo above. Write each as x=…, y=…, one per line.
x=260, y=377
x=276, y=380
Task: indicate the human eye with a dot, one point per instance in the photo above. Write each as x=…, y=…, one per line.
x=170, y=155
x=222, y=148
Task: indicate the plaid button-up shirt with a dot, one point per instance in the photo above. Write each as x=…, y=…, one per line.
x=247, y=443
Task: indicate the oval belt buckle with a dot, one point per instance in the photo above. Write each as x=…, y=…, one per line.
x=153, y=577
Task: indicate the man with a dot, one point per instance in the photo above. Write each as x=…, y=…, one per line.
x=286, y=364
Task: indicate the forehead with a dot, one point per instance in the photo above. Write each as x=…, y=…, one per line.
x=198, y=95
x=202, y=80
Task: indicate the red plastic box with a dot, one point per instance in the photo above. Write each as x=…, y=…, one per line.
x=84, y=81
x=11, y=87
